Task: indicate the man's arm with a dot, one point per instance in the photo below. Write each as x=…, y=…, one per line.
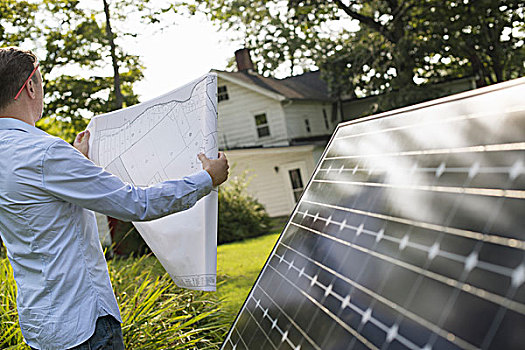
x=69, y=175
x=216, y=168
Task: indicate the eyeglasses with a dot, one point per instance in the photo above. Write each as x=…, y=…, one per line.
x=30, y=76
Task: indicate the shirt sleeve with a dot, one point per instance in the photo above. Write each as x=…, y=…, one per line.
x=70, y=176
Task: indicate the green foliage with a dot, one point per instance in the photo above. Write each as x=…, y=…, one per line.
x=76, y=37
x=156, y=314
x=17, y=21
x=72, y=36
x=10, y=333
x=483, y=36
x=240, y=215
x=373, y=47
x=278, y=36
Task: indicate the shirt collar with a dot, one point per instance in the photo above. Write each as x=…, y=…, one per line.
x=15, y=124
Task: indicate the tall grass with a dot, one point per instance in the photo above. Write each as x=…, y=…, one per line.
x=10, y=334
x=158, y=315
x=155, y=313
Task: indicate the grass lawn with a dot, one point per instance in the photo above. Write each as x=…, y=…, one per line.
x=238, y=265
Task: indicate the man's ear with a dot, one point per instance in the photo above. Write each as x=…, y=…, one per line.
x=31, y=87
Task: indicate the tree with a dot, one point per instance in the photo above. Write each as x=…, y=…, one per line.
x=484, y=37
x=385, y=45
x=277, y=37
x=17, y=20
x=119, y=99
x=77, y=38
x=76, y=43
x=145, y=13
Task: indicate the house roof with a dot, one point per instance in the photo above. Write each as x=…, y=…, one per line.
x=307, y=86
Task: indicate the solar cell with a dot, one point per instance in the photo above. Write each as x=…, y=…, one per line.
x=409, y=235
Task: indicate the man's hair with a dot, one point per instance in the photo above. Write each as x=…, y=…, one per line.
x=15, y=67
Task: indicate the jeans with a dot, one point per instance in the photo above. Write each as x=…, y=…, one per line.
x=107, y=336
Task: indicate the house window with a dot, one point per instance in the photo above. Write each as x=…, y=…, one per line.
x=261, y=122
x=222, y=93
x=297, y=183
x=307, y=125
x=326, y=120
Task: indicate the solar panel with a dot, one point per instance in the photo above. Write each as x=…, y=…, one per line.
x=409, y=235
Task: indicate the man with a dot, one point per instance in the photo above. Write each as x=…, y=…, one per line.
x=65, y=299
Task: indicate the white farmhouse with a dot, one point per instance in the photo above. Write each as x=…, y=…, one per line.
x=274, y=128
x=277, y=129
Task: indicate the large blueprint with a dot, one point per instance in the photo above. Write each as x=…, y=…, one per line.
x=159, y=140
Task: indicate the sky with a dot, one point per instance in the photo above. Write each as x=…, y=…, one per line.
x=174, y=56
x=188, y=50
x=180, y=54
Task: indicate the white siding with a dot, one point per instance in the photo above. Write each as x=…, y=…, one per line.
x=269, y=186
x=268, y=166
x=297, y=111
x=236, y=122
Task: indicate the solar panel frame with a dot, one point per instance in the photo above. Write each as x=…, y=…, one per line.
x=392, y=331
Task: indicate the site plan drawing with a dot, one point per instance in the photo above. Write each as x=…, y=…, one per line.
x=159, y=140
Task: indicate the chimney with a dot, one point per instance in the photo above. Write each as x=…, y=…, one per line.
x=244, y=62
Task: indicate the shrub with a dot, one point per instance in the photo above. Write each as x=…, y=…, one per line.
x=156, y=314
x=240, y=215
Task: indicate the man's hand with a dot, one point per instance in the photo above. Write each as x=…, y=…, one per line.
x=217, y=168
x=82, y=142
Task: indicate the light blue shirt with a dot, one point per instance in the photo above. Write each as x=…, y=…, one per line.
x=47, y=192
